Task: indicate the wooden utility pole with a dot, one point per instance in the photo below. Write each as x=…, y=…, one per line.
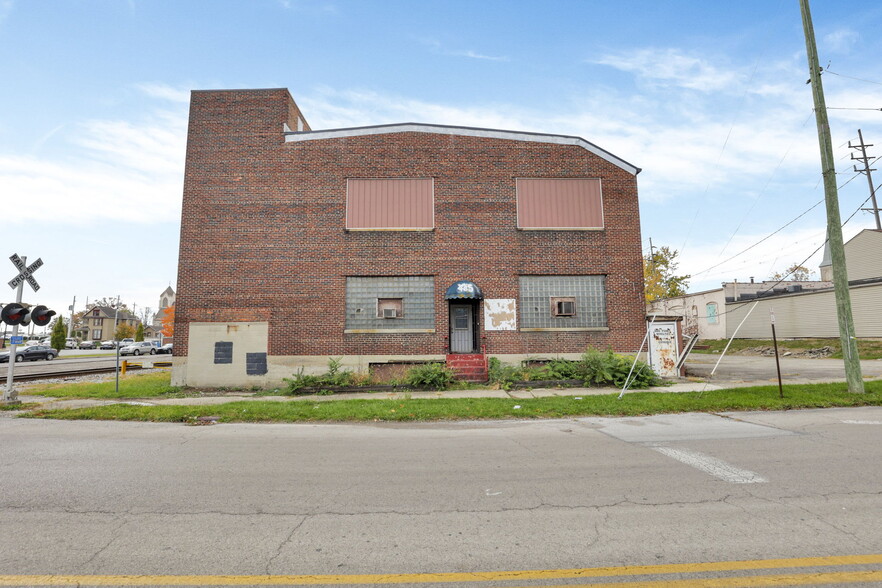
x=834, y=223
x=866, y=161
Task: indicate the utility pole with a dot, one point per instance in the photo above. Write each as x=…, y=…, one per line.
x=834, y=222
x=866, y=161
x=70, y=324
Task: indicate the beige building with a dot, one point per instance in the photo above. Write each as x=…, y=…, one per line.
x=813, y=313
x=702, y=312
x=802, y=308
x=101, y=322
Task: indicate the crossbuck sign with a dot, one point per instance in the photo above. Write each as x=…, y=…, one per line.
x=25, y=273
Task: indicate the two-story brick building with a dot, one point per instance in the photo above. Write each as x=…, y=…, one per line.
x=393, y=243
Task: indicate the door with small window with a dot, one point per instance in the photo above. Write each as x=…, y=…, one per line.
x=461, y=328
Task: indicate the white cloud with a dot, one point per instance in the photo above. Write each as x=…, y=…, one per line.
x=672, y=67
x=438, y=48
x=129, y=171
x=840, y=41
x=166, y=92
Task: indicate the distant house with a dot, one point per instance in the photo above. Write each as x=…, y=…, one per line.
x=802, y=308
x=101, y=321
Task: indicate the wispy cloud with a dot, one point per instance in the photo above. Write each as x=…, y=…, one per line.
x=840, y=40
x=311, y=6
x=438, y=48
x=166, y=92
x=671, y=67
x=128, y=171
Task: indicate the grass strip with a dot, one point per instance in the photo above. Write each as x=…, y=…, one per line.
x=867, y=348
x=146, y=385
x=391, y=410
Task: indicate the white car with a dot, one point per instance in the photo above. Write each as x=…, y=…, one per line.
x=138, y=348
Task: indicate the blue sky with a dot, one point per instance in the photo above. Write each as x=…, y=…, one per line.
x=708, y=98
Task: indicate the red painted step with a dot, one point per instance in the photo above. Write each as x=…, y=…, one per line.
x=471, y=367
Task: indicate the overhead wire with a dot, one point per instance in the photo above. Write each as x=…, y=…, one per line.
x=800, y=264
x=773, y=233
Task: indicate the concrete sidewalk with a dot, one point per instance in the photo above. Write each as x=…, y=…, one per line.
x=49, y=402
x=733, y=372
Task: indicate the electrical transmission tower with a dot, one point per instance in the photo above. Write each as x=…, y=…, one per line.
x=866, y=161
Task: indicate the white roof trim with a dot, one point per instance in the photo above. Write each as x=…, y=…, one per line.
x=292, y=137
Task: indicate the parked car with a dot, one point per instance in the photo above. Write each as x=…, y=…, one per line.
x=70, y=343
x=138, y=348
x=107, y=345
x=126, y=341
x=167, y=348
x=30, y=353
x=87, y=345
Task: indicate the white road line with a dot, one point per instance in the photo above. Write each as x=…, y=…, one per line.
x=862, y=422
x=711, y=465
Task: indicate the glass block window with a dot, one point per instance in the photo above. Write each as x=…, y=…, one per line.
x=371, y=302
x=561, y=302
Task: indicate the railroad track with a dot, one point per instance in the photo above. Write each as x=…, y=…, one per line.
x=64, y=374
x=78, y=369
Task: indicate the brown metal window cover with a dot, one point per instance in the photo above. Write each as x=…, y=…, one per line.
x=560, y=203
x=390, y=204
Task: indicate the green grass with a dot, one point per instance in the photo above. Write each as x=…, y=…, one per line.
x=867, y=348
x=21, y=406
x=147, y=385
x=387, y=410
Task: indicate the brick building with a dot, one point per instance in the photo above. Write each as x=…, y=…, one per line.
x=394, y=243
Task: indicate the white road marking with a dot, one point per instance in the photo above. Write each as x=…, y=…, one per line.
x=711, y=465
x=862, y=422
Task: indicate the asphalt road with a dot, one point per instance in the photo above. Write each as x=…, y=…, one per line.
x=141, y=498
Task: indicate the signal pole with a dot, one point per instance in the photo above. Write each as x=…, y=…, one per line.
x=834, y=222
x=866, y=161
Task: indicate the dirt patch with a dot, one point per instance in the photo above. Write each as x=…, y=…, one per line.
x=769, y=351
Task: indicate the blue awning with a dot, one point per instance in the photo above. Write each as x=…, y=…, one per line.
x=464, y=289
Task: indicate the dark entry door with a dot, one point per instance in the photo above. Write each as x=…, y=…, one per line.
x=461, y=328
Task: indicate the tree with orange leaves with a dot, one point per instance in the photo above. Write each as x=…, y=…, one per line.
x=168, y=321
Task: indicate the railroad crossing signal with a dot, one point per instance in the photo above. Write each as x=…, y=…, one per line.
x=25, y=273
x=17, y=314
x=14, y=314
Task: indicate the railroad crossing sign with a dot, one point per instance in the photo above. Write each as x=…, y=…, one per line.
x=25, y=273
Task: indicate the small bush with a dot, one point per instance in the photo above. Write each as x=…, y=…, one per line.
x=429, y=375
x=334, y=377
x=602, y=368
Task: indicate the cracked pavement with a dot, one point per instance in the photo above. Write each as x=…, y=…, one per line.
x=143, y=498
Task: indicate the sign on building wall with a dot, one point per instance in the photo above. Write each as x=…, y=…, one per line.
x=500, y=314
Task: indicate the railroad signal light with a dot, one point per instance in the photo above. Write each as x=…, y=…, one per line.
x=14, y=314
x=40, y=315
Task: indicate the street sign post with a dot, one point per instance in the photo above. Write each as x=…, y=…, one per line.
x=25, y=274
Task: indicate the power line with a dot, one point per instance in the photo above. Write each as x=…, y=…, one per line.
x=851, y=77
x=770, y=235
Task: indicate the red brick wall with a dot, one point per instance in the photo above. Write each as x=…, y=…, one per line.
x=262, y=230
